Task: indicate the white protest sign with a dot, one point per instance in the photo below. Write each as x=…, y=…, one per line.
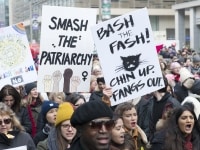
x=66, y=49
x=16, y=62
x=128, y=56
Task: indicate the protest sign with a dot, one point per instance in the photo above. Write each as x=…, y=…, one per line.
x=128, y=56
x=66, y=49
x=16, y=63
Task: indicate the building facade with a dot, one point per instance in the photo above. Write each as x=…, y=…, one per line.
x=4, y=13
x=193, y=8
x=161, y=15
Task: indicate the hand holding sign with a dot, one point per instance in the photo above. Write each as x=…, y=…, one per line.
x=107, y=94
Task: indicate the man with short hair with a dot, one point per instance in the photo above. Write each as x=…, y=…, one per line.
x=93, y=120
x=98, y=93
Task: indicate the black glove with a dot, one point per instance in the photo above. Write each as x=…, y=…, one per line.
x=46, y=129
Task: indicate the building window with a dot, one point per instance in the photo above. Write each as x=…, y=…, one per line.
x=170, y=34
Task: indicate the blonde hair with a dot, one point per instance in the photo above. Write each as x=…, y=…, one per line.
x=29, y=99
x=5, y=110
x=53, y=95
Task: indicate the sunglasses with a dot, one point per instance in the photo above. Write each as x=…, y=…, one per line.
x=5, y=121
x=97, y=125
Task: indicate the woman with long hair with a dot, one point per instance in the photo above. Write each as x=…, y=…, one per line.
x=11, y=97
x=181, y=132
x=11, y=131
x=62, y=135
x=33, y=103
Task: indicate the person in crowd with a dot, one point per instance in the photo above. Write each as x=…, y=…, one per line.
x=34, y=103
x=11, y=97
x=180, y=132
x=117, y=133
x=21, y=91
x=119, y=139
x=196, y=65
x=61, y=136
x=103, y=93
x=188, y=64
x=196, y=103
x=157, y=105
x=129, y=115
x=76, y=99
x=96, y=68
x=175, y=68
x=93, y=83
x=189, y=86
x=93, y=120
x=98, y=94
x=58, y=97
x=49, y=112
x=12, y=133
x=129, y=143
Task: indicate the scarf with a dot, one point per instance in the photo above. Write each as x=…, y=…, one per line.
x=33, y=132
x=188, y=143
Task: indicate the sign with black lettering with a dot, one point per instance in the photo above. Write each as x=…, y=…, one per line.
x=16, y=63
x=128, y=55
x=66, y=49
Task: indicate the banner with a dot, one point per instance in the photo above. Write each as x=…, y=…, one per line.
x=128, y=56
x=66, y=49
x=16, y=63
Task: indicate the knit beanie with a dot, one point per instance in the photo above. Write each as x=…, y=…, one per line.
x=174, y=65
x=196, y=58
x=47, y=105
x=185, y=74
x=28, y=87
x=65, y=111
x=90, y=111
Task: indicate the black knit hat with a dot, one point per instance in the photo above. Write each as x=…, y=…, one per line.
x=90, y=111
x=28, y=87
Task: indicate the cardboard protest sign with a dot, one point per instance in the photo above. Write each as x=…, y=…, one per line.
x=128, y=56
x=66, y=49
x=16, y=63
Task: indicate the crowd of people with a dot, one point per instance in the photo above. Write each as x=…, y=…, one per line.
x=166, y=119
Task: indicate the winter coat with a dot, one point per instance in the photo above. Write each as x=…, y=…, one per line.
x=76, y=145
x=43, y=134
x=20, y=139
x=42, y=145
x=138, y=139
x=33, y=112
x=24, y=119
x=41, y=121
x=96, y=95
x=148, y=126
x=181, y=92
x=50, y=143
x=158, y=141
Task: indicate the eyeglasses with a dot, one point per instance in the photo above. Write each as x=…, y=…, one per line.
x=97, y=125
x=5, y=121
x=67, y=126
